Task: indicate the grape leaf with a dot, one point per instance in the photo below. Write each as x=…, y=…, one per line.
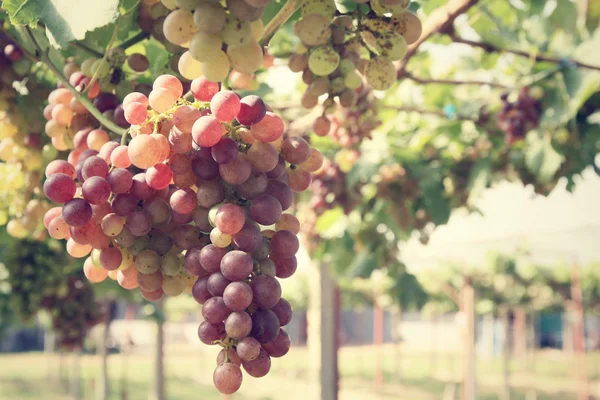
x=479, y=179
x=65, y=20
x=437, y=205
x=542, y=160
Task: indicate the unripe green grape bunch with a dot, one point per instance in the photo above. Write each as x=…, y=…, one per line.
x=341, y=54
x=193, y=203
x=22, y=156
x=216, y=37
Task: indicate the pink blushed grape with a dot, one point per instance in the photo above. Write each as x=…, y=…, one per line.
x=225, y=105
x=252, y=110
x=269, y=129
x=207, y=131
x=203, y=89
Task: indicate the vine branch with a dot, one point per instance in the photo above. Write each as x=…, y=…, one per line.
x=42, y=56
x=279, y=19
x=426, y=81
x=134, y=39
x=490, y=48
x=440, y=20
x=426, y=111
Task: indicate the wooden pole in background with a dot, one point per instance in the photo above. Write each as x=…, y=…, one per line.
x=578, y=321
x=468, y=309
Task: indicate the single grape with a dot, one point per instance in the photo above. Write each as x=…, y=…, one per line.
x=227, y=378
x=237, y=296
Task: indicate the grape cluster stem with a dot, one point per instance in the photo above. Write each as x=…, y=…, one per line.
x=45, y=59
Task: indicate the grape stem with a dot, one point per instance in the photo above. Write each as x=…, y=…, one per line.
x=490, y=48
x=43, y=57
x=279, y=19
x=425, y=81
x=110, y=44
x=134, y=40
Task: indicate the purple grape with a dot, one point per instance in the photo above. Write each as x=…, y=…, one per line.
x=96, y=190
x=217, y=283
x=238, y=325
x=139, y=223
x=254, y=186
x=210, y=258
x=214, y=311
x=252, y=110
x=237, y=296
x=248, y=239
x=140, y=189
x=59, y=188
x=284, y=266
x=124, y=204
x=265, y=209
x=208, y=333
x=209, y=194
x=120, y=180
x=200, y=290
x=281, y=192
x=266, y=291
x=236, y=172
x=77, y=212
x=236, y=265
x=265, y=326
x=225, y=151
x=284, y=244
x=283, y=310
x=278, y=347
x=204, y=166
x=94, y=166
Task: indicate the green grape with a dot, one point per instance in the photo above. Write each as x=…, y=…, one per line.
x=204, y=46
x=158, y=10
x=189, y=5
x=346, y=66
x=337, y=85
x=319, y=86
x=49, y=152
x=247, y=58
x=323, y=60
x=171, y=264
x=86, y=66
x=236, y=32
x=95, y=256
x=189, y=67
x=258, y=28
x=408, y=25
x=170, y=4
x=313, y=29
x=325, y=8
x=116, y=56
x=16, y=229
x=3, y=217
x=380, y=73
x=392, y=45
x=348, y=98
x=173, y=285
x=210, y=17
x=217, y=69
x=380, y=7
x=298, y=62
x=179, y=27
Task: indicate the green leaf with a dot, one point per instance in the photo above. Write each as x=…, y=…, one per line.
x=542, y=160
x=437, y=205
x=582, y=83
x=65, y=20
x=332, y=223
x=480, y=177
x=363, y=264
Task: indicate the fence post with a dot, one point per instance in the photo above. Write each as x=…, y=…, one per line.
x=322, y=342
x=468, y=309
x=578, y=332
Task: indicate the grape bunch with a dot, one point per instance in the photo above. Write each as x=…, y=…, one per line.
x=348, y=127
x=22, y=155
x=194, y=202
x=519, y=117
x=115, y=72
x=218, y=37
x=332, y=52
x=69, y=125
